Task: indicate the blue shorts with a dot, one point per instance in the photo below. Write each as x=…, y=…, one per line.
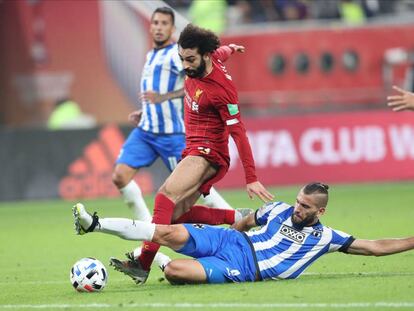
x=142, y=148
x=225, y=254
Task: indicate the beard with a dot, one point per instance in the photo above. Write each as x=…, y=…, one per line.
x=307, y=221
x=160, y=43
x=198, y=72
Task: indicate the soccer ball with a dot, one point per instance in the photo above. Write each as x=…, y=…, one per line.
x=88, y=275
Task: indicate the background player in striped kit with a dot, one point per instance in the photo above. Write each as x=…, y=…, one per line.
x=290, y=239
x=160, y=125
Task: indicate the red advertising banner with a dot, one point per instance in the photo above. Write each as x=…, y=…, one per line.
x=351, y=147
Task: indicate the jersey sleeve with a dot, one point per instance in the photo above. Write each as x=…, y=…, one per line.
x=230, y=115
x=223, y=53
x=262, y=214
x=340, y=241
x=281, y=209
x=228, y=110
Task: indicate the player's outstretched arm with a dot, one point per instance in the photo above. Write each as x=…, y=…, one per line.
x=157, y=98
x=237, y=48
x=403, y=101
x=224, y=51
x=380, y=247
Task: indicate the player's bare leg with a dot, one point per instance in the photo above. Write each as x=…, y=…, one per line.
x=185, y=271
x=187, y=178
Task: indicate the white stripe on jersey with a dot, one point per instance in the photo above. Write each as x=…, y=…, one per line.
x=173, y=162
x=162, y=74
x=326, y=237
x=274, y=212
x=278, y=258
x=153, y=118
x=334, y=247
x=285, y=251
x=178, y=104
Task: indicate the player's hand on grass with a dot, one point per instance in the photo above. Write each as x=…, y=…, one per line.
x=237, y=48
x=256, y=188
x=152, y=97
x=134, y=117
x=403, y=101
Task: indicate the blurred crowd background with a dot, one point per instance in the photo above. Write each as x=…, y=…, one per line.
x=229, y=14
x=296, y=49
x=312, y=83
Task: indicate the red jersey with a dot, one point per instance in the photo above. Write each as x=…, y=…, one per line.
x=211, y=112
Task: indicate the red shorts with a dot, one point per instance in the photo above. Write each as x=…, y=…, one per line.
x=215, y=158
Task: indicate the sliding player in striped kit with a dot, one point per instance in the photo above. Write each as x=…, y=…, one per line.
x=160, y=125
x=289, y=240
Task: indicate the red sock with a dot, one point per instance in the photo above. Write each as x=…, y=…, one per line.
x=163, y=210
x=206, y=215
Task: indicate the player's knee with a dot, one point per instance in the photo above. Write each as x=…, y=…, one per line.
x=174, y=273
x=119, y=179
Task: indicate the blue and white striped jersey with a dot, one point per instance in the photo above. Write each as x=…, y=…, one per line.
x=163, y=73
x=284, y=251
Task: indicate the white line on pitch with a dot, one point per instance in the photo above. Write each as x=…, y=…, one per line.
x=218, y=305
x=4, y=283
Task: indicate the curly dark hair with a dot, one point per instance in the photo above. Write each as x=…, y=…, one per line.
x=204, y=40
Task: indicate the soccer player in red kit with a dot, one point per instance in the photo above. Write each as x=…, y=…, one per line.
x=211, y=114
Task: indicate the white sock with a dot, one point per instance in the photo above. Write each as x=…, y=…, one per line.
x=133, y=197
x=214, y=199
x=237, y=216
x=127, y=229
x=160, y=258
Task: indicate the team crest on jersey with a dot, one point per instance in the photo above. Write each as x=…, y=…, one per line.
x=317, y=233
x=197, y=94
x=292, y=234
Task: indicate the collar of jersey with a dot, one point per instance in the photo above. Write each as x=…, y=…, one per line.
x=155, y=49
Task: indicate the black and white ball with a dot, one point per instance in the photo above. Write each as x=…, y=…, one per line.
x=88, y=275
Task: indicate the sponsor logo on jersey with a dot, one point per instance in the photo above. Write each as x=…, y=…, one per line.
x=194, y=106
x=292, y=234
x=204, y=150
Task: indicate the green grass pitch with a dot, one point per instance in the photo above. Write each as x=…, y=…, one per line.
x=38, y=247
